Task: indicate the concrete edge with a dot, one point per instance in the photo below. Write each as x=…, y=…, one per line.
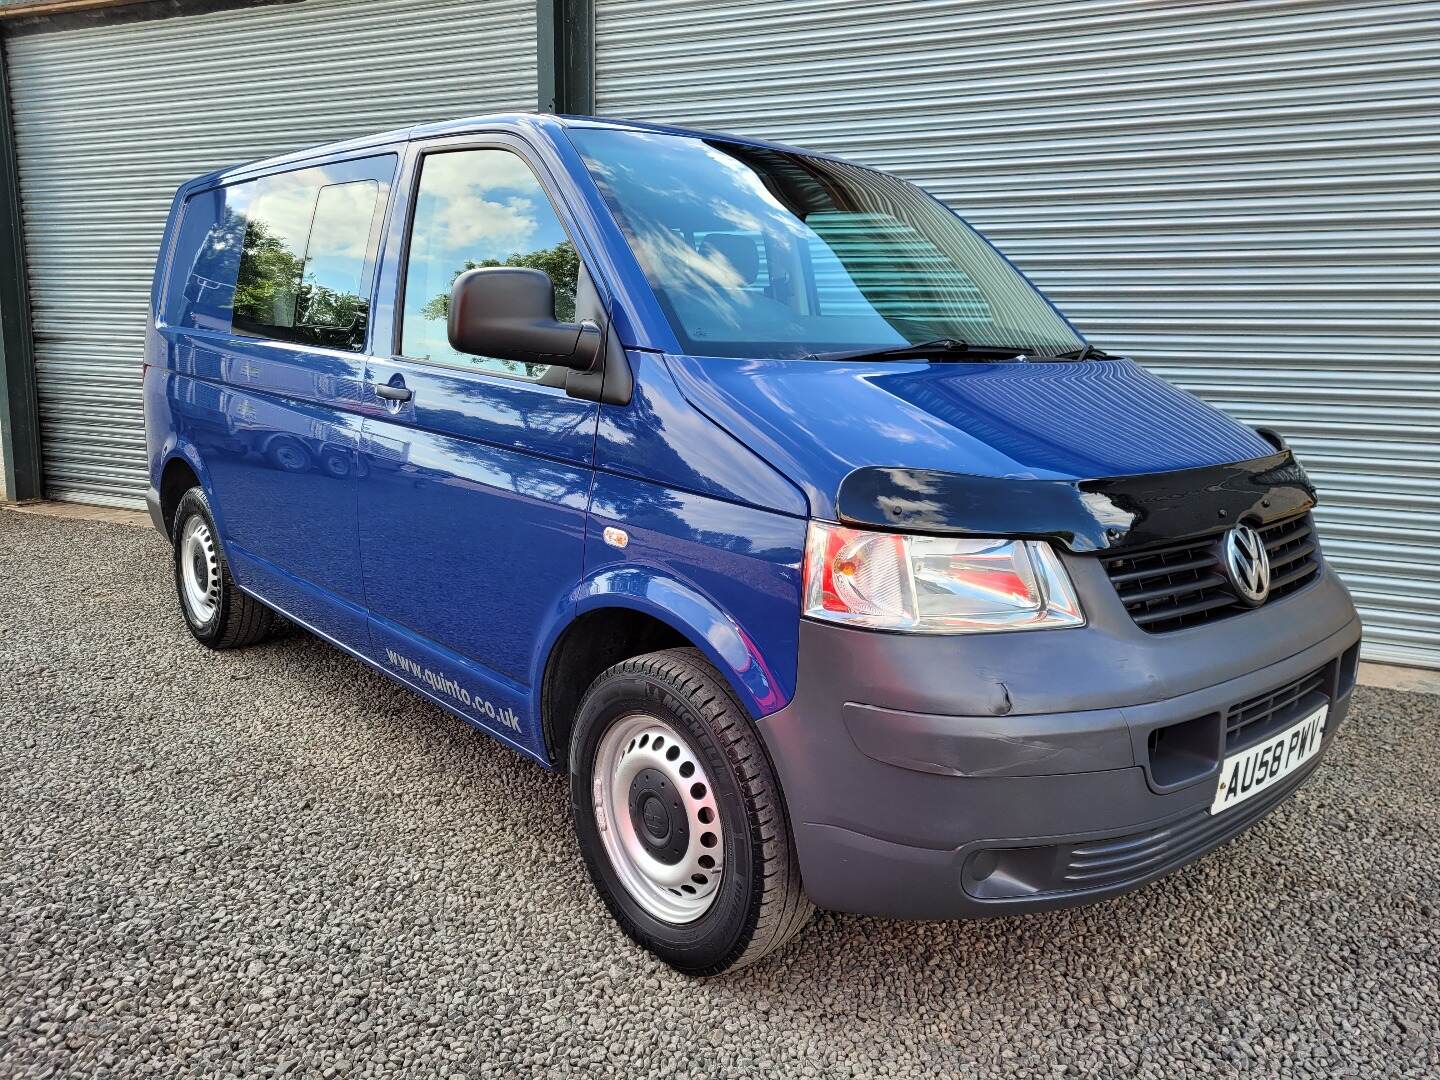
x=1395, y=677
x=68, y=511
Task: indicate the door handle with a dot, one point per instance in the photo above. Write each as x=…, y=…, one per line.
x=394, y=393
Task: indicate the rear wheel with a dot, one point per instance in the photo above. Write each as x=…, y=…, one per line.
x=680, y=816
x=217, y=612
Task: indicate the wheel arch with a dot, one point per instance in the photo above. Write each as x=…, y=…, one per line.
x=619, y=614
x=589, y=644
x=179, y=474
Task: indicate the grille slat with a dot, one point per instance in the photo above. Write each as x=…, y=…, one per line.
x=1148, y=619
x=1157, y=591
x=1282, y=532
x=1109, y=846
x=1095, y=864
x=1247, y=715
x=1175, y=585
x=1277, y=544
x=1289, y=578
x=1288, y=556
x=1129, y=866
x=1197, y=563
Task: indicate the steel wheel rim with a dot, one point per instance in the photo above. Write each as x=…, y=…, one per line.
x=637, y=753
x=199, y=570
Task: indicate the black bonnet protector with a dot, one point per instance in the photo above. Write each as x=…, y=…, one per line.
x=1084, y=515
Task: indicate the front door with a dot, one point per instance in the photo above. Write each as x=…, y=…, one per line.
x=477, y=470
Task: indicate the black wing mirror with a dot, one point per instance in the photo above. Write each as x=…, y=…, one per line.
x=509, y=312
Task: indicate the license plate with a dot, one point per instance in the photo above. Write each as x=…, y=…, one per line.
x=1265, y=764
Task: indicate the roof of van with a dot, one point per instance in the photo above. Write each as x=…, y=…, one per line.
x=494, y=121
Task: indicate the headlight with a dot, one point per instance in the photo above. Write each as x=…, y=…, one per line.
x=935, y=585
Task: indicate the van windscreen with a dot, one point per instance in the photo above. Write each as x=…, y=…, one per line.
x=759, y=252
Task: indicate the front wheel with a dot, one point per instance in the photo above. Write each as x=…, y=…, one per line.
x=680, y=817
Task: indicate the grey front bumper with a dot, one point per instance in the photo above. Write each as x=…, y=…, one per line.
x=943, y=777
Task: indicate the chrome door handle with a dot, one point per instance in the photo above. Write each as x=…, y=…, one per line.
x=394, y=393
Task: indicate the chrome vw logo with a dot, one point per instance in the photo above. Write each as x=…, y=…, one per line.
x=1247, y=563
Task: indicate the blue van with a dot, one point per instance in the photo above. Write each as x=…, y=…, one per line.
x=758, y=491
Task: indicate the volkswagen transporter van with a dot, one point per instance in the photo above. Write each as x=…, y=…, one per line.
x=758, y=491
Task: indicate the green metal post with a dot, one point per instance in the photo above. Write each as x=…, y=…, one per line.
x=19, y=406
x=565, y=31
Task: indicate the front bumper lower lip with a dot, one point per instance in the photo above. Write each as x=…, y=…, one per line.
x=1083, y=868
x=1009, y=877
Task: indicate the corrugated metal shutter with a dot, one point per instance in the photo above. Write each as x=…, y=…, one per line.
x=110, y=119
x=1246, y=197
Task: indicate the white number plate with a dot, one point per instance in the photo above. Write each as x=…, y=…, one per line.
x=1252, y=771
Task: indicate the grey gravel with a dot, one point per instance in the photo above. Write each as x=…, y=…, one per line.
x=276, y=863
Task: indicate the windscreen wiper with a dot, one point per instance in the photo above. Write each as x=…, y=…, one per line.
x=1084, y=352
x=939, y=349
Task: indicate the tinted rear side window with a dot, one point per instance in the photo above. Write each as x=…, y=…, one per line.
x=289, y=257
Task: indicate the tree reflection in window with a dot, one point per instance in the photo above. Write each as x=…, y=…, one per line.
x=332, y=281
x=561, y=263
x=267, y=282
x=303, y=265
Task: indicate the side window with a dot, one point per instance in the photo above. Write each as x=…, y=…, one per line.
x=207, y=253
x=477, y=208
x=276, y=230
x=289, y=256
x=308, y=258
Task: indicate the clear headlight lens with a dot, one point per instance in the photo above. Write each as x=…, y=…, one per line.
x=938, y=585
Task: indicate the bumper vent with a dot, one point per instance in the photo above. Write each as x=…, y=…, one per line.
x=1127, y=859
x=1177, y=585
x=1254, y=718
x=1113, y=862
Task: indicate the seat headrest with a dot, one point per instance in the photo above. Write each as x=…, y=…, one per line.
x=739, y=251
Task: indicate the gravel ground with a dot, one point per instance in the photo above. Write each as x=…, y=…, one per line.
x=274, y=862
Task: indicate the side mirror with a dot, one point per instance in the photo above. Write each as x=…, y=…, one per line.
x=509, y=312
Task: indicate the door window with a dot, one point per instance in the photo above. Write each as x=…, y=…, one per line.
x=478, y=208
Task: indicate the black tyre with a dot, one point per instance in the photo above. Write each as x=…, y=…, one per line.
x=680, y=817
x=217, y=612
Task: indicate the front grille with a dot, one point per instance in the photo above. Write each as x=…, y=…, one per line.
x=1176, y=585
x=1256, y=717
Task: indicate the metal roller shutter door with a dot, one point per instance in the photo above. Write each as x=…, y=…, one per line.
x=110, y=119
x=1246, y=197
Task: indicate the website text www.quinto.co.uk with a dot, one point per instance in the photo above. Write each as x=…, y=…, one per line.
x=481, y=706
